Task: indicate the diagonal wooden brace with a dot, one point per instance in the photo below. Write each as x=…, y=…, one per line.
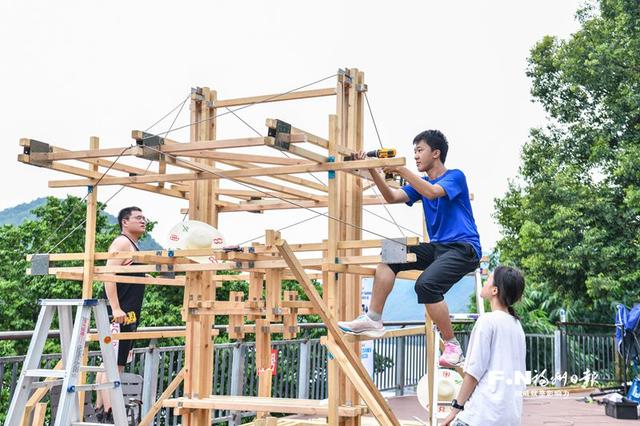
x=357, y=374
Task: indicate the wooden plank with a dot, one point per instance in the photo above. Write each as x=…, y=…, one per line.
x=90, y=231
x=230, y=174
x=87, y=153
x=213, y=145
x=302, y=94
x=254, y=403
x=291, y=179
x=151, y=414
x=357, y=373
x=96, y=175
x=252, y=158
x=74, y=276
x=39, y=414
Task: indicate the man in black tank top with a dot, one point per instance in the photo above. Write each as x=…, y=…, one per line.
x=124, y=298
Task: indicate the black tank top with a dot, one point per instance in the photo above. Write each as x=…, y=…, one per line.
x=130, y=296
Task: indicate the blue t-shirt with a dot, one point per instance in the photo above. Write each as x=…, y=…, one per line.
x=449, y=218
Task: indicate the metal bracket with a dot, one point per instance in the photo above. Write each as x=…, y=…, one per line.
x=394, y=250
x=153, y=141
x=361, y=88
x=40, y=264
x=40, y=148
x=282, y=135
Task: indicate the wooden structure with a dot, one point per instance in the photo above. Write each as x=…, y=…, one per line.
x=198, y=171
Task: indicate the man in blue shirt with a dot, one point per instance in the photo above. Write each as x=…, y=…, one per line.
x=454, y=247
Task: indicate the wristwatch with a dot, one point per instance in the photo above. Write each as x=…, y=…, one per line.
x=455, y=404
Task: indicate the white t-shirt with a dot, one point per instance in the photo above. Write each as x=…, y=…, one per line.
x=496, y=358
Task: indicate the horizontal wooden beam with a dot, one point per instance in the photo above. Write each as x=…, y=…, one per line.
x=254, y=403
x=234, y=156
x=262, y=205
x=96, y=175
x=87, y=153
x=232, y=174
x=303, y=94
x=74, y=276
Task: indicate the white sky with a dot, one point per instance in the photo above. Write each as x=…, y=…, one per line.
x=71, y=70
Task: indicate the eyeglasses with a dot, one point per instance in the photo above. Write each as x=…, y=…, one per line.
x=139, y=218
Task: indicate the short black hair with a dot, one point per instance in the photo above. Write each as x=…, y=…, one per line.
x=126, y=214
x=436, y=140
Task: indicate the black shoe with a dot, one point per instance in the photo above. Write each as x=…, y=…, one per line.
x=108, y=417
x=99, y=414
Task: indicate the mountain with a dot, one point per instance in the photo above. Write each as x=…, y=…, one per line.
x=18, y=214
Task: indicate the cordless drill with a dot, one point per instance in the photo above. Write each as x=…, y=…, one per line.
x=378, y=153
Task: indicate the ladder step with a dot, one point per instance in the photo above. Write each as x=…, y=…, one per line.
x=95, y=387
x=90, y=424
x=68, y=302
x=43, y=372
x=47, y=384
x=92, y=369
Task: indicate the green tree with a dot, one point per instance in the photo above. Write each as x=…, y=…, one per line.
x=571, y=219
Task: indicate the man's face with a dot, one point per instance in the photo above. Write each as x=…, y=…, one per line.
x=135, y=224
x=424, y=156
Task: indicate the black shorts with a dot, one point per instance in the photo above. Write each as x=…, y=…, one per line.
x=444, y=264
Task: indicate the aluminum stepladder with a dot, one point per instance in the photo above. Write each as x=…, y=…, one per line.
x=433, y=339
x=73, y=336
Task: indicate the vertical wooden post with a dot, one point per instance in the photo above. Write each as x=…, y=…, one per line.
x=353, y=215
x=89, y=256
x=199, y=286
x=263, y=359
x=90, y=231
x=329, y=277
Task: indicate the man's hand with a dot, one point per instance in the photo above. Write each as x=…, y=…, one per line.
x=360, y=155
x=451, y=417
x=119, y=315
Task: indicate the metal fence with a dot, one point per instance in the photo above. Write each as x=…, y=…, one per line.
x=302, y=366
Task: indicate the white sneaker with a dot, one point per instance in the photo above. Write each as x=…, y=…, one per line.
x=363, y=325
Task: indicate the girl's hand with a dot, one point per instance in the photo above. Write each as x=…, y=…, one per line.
x=451, y=417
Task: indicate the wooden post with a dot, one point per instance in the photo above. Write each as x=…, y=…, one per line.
x=89, y=257
x=330, y=279
x=199, y=286
x=263, y=359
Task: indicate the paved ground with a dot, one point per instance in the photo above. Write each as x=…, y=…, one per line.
x=538, y=411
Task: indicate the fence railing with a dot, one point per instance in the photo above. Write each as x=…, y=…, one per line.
x=302, y=366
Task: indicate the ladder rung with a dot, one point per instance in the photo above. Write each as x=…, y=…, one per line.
x=94, y=386
x=92, y=369
x=90, y=424
x=43, y=372
x=47, y=384
x=68, y=302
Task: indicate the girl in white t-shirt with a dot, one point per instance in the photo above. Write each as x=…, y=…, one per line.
x=491, y=391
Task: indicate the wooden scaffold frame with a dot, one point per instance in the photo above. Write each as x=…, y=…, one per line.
x=339, y=264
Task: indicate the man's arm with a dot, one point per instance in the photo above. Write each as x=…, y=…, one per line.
x=389, y=194
x=425, y=188
x=119, y=244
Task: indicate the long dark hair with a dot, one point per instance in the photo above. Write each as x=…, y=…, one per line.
x=510, y=283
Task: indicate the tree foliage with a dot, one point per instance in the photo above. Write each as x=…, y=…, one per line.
x=571, y=219
x=50, y=231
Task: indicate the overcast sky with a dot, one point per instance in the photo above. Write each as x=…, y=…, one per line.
x=71, y=70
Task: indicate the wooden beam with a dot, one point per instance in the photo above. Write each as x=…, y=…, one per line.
x=87, y=153
x=234, y=156
x=96, y=175
x=254, y=403
x=303, y=94
x=149, y=417
x=231, y=174
x=351, y=364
